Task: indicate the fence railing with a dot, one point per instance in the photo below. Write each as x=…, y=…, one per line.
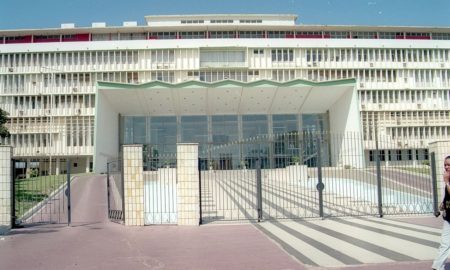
x=160, y=185
x=301, y=175
x=298, y=175
x=40, y=194
x=115, y=189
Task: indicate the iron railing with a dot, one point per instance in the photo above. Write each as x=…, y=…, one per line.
x=115, y=189
x=307, y=174
x=40, y=192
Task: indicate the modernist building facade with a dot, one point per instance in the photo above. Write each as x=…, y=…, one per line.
x=81, y=92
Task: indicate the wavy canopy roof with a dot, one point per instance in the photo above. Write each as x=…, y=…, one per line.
x=224, y=97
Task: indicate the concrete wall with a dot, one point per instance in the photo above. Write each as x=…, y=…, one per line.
x=5, y=188
x=346, y=142
x=106, y=141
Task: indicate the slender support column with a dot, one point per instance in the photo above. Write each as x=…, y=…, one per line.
x=88, y=164
x=28, y=168
x=57, y=166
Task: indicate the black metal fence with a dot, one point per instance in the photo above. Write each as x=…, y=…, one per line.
x=115, y=189
x=41, y=192
x=307, y=174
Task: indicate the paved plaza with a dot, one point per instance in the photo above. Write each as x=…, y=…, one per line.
x=93, y=242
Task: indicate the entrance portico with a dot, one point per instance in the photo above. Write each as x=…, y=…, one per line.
x=336, y=98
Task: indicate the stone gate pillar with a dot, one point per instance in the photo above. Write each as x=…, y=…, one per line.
x=133, y=178
x=5, y=188
x=187, y=184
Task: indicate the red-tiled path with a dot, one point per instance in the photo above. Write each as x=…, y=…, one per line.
x=92, y=242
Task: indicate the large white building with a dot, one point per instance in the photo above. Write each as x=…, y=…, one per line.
x=81, y=92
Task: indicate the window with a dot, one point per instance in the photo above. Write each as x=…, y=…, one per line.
x=441, y=36
x=283, y=55
x=163, y=35
x=251, y=34
x=163, y=56
x=192, y=35
x=250, y=21
x=219, y=58
x=221, y=21
x=164, y=76
x=222, y=34
x=280, y=34
x=387, y=35
x=365, y=35
x=192, y=21
x=337, y=35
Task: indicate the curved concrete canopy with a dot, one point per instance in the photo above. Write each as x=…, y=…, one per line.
x=224, y=97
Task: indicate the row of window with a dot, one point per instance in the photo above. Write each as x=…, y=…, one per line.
x=277, y=55
x=71, y=131
x=399, y=154
x=403, y=96
x=74, y=82
x=167, y=130
x=377, y=55
x=47, y=102
x=223, y=34
x=418, y=133
x=382, y=122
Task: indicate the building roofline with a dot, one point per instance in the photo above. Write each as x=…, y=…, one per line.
x=231, y=16
x=143, y=28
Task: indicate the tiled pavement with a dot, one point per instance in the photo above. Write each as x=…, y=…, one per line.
x=345, y=242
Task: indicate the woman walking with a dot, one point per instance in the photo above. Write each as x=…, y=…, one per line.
x=444, y=248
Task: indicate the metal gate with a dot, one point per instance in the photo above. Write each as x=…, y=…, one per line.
x=115, y=189
x=39, y=194
x=160, y=186
x=297, y=175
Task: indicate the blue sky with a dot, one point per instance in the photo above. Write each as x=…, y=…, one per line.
x=20, y=14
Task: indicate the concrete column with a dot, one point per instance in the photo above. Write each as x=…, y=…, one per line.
x=441, y=150
x=88, y=161
x=57, y=166
x=5, y=188
x=27, y=168
x=187, y=187
x=134, y=185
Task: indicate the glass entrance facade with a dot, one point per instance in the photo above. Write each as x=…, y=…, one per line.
x=243, y=139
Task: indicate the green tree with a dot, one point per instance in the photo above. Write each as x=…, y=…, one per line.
x=3, y=119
